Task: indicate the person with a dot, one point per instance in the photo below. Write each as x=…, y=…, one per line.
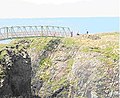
x=71, y=34
x=87, y=32
x=78, y=34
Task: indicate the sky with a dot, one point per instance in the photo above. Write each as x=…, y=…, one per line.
x=58, y=8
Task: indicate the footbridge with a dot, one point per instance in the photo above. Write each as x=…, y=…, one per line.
x=34, y=31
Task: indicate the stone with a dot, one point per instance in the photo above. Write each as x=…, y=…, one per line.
x=17, y=80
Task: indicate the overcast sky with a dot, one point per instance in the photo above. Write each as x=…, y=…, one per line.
x=58, y=8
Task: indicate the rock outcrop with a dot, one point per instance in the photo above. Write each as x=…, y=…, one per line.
x=16, y=80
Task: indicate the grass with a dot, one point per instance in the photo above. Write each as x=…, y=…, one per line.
x=107, y=47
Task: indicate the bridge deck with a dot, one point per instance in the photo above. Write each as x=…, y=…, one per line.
x=33, y=31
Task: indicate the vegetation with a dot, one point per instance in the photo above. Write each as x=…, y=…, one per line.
x=79, y=64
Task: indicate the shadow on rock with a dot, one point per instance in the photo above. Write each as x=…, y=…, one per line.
x=16, y=80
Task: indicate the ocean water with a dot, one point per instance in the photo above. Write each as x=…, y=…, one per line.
x=92, y=24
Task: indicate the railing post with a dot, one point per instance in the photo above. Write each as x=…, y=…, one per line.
x=42, y=30
x=7, y=32
x=71, y=34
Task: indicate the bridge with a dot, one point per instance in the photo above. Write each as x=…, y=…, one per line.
x=34, y=31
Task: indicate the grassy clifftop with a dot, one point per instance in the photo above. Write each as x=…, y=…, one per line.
x=84, y=66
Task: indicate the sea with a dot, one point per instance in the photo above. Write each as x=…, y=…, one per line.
x=76, y=24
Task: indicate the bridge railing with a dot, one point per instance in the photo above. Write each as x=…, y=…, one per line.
x=29, y=31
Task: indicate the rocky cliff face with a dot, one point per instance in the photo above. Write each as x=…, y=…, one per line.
x=16, y=80
x=81, y=67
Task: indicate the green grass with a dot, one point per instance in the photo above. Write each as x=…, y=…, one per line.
x=107, y=47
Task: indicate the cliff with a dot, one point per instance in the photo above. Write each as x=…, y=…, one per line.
x=85, y=66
